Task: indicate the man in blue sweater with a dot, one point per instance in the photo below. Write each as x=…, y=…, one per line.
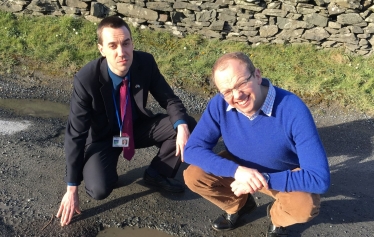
x=272, y=147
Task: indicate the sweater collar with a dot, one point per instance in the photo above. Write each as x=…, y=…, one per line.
x=267, y=106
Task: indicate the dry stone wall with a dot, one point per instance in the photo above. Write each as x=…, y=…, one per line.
x=325, y=23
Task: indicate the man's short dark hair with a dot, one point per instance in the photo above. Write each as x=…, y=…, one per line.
x=114, y=22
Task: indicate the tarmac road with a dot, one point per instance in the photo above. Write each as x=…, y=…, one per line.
x=32, y=167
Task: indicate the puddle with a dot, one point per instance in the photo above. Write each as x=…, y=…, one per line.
x=42, y=108
x=36, y=108
x=133, y=232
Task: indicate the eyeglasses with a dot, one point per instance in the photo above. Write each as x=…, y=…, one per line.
x=228, y=94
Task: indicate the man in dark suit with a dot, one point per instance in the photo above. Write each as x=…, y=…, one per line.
x=94, y=122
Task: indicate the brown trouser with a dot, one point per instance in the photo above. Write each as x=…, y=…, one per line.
x=289, y=207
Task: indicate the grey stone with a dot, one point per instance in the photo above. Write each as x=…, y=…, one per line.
x=365, y=14
x=180, y=5
x=268, y=31
x=363, y=36
x=279, y=41
x=137, y=12
x=236, y=39
x=362, y=52
x=370, y=18
x=316, y=34
x=352, y=4
x=12, y=6
x=223, y=3
x=203, y=24
x=107, y=3
x=293, y=16
x=249, y=33
x=76, y=3
x=332, y=31
x=217, y=25
x=255, y=39
x=206, y=15
x=369, y=29
x=371, y=41
x=274, y=5
x=274, y=12
x=305, y=11
x=99, y=10
x=361, y=24
x=316, y=19
x=210, y=34
x=363, y=42
x=71, y=10
x=252, y=23
x=260, y=16
x=335, y=9
x=305, y=5
x=328, y=44
x=289, y=8
x=209, y=6
x=334, y=25
x=349, y=19
x=160, y=6
x=344, y=30
x=255, y=8
x=228, y=18
x=139, y=3
x=43, y=6
x=321, y=2
x=356, y=29
x=227, y=11
x=290, y=34
x=345, y=38
x=284, y=23
x=352, y=47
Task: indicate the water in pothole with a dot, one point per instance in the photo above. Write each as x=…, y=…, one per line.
x=36, y=108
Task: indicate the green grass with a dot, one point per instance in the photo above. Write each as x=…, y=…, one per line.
x=60, y=46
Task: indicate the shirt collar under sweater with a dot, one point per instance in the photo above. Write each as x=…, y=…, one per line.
x=267, y=106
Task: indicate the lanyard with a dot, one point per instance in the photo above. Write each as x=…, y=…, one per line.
x=120, y=123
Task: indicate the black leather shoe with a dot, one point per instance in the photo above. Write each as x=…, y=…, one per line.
x=165, y=183
x=274, y=231
x=228, y=221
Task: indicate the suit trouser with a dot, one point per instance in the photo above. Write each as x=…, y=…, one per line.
x=288, y=208
x=100, y=169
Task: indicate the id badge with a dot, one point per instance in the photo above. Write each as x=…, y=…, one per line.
x=120, y=141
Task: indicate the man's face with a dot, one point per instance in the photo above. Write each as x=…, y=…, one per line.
x=242, y=88
x=118, y=48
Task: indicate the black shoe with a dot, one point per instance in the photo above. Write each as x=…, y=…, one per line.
x=167, y=184
x=274, y=231
x=228, y=221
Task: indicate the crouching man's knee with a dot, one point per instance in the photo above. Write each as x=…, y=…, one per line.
x=303, y=207
x=190, y=177
x=99, y=193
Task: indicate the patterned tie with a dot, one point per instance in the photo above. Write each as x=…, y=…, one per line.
x=128, y=152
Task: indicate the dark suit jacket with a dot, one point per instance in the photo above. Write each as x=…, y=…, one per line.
x=92, y=113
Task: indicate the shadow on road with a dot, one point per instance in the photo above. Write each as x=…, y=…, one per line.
x=349, y=147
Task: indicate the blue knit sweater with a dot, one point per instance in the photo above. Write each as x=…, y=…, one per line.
x=286, y=140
